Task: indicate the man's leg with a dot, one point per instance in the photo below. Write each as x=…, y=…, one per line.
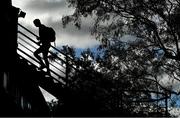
x=45, y=56
x=36, y=54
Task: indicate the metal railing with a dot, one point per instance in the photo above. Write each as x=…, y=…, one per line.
x=27, y=44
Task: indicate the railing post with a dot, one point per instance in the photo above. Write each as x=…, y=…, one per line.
x=67, y=69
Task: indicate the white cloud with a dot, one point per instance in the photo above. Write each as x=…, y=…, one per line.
x=50, y=13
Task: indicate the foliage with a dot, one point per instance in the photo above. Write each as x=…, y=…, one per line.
x=134, y=68
x=104, y=87
x=153, y=22
x=156, y=22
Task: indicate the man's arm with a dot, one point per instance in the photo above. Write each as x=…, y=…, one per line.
x=39, y=40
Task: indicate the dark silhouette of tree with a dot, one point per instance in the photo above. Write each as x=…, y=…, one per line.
x=103, y=87
x=135, y=69
x=156, y=22
x=134, y=73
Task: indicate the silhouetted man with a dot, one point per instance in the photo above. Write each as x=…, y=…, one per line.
x=44, y=45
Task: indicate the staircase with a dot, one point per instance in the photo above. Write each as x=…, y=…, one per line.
x=27, y=44
x=56, y=82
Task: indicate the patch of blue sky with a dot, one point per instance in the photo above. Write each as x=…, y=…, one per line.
x=158, y=53
x=94, y=50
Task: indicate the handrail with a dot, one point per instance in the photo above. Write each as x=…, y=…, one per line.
x=28, y=37
x=41, y=57
x=26, y=42
x=35, y=47
x=37, y=67
x=38, y=36
x=49, y=51
x=71, y=65
x=71, y=59
x=64, y=59
x=32, y=52
x=24, y=47
x=27, y=30
x=28, y=55
x=35, y=42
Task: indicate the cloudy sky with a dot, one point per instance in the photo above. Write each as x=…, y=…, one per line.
x=50, y=13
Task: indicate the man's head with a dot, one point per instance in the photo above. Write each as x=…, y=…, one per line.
x=37, y=22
